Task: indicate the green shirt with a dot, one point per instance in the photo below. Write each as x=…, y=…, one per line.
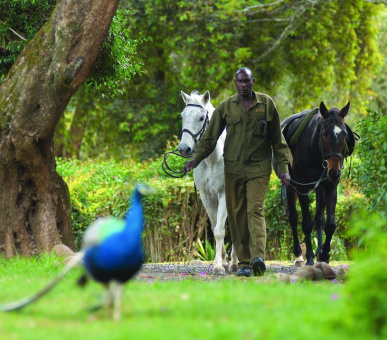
x=252, y=135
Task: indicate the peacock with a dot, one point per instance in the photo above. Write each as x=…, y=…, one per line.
x=111, y=253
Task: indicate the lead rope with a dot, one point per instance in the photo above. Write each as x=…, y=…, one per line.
x=174, y=173
x=165, y=166
x=316, y=184
x=284, y=199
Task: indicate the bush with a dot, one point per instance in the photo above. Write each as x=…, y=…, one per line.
x=99, y=188
x=371, y=174
x=174, y=220
x=366, y=288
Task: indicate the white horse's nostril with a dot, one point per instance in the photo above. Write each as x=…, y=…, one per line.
x=184, y=149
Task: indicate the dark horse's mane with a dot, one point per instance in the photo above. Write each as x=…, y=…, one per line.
x=290, y=125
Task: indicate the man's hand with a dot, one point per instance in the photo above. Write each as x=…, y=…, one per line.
x=190, y=165
x=285, y=178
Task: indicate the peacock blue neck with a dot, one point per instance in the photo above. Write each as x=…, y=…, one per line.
x=136, y=212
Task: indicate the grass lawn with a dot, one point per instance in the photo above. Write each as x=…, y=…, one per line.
x=231, y=308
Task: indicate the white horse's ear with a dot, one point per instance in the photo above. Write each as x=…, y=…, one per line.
x=185, y=97
x=206, y=97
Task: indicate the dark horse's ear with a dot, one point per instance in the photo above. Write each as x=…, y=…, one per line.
x=344, y=111
x=206, y=97
x=323, y=109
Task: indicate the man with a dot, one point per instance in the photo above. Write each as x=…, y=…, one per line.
x=253, y=132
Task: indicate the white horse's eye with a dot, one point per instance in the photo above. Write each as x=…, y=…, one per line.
x=201, y=118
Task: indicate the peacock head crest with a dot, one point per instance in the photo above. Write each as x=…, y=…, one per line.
x=144, y=189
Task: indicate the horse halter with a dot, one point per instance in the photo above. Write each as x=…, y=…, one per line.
x=328, y=155
x=201, y=131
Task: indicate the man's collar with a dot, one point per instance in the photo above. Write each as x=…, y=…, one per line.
x=256, y=98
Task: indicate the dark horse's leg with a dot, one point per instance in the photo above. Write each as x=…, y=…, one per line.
x=330, y=225
x=293, y=220
x=319, y=219
x=307, y=228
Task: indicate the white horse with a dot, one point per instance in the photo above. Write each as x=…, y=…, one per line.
x=209, y=174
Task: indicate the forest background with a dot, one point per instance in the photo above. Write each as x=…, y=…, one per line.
x=119, y=123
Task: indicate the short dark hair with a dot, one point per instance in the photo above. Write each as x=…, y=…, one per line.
x=244, y=69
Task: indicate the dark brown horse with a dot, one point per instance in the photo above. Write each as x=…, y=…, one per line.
x=318, y=154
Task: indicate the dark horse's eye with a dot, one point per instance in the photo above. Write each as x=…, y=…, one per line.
x=201, y=118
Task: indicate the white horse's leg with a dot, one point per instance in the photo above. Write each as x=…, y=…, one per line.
x=219, y=233
x=234, y=261
x=211, y=206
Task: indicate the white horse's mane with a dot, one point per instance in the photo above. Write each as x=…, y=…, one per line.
x=197, y=98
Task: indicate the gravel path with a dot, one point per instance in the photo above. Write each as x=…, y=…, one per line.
x=203, y=270
x=200, y=270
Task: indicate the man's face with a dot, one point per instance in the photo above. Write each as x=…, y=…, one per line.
x=244, y=83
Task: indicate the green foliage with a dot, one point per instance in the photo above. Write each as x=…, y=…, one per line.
x=95, y=189
x=371, y=173
x=334, y=34
x=100, y=188
x=199, y=45
x=175, y=222
x=116, y=64
x=19, y=21
x=188, y=45
x=204, y=252
x=378, y=90
x=366, y=287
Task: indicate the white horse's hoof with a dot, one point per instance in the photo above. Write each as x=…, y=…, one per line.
x=233, y=268
x=299, y=261
x=219, y=271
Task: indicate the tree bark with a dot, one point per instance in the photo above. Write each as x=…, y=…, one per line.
x=34, y=200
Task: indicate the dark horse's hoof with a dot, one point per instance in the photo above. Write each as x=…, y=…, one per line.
x=323, y=257
x=309, y=262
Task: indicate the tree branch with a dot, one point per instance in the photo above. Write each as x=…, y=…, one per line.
x=247, y=9
x=377, y=2
x=13, y=31
x=300, y=10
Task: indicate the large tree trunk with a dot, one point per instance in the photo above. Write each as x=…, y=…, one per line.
x=34, y=200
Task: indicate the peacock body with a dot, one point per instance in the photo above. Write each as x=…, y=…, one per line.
x=112, y=253
x=112, y=247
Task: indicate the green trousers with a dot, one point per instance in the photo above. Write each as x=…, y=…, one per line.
x=245, y=200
